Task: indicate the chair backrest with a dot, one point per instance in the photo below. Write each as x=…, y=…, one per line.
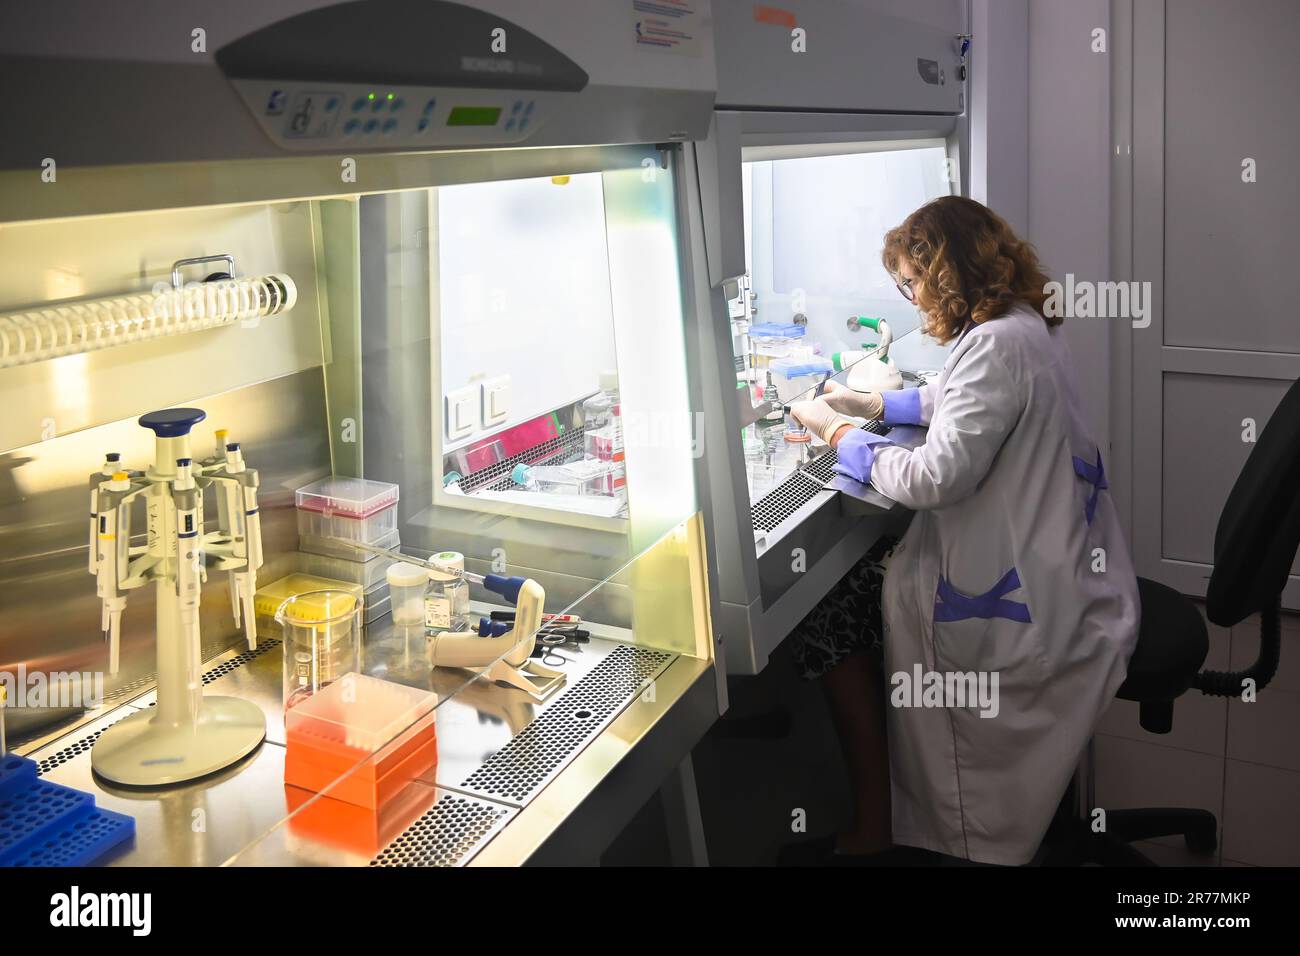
x=1259, y=527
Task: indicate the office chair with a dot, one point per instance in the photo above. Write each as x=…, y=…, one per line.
x=1255, y=544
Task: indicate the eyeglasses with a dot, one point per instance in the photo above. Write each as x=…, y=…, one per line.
x=905, y=287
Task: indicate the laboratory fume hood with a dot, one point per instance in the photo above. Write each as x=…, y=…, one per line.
x=489, y=225
x=833, y=123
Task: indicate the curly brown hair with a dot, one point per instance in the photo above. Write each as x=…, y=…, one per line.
x=972, y=266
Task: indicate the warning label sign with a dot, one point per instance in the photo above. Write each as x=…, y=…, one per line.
x=668, y=25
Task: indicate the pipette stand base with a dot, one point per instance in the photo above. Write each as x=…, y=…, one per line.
x=140, y=751
x=536, y=681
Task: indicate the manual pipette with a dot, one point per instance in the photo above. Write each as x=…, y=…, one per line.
x=114, y=536
x=469, y=576
x=506, y=586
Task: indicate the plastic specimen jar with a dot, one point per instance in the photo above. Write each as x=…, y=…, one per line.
x=322, y=641
x=406, y=586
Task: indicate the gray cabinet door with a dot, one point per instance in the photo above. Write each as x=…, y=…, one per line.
x=1216, y=88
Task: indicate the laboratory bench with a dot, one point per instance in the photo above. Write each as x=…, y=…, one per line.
x=516, y=781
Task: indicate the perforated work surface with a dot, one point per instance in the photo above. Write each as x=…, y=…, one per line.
x=497, y=477
x=823, y=468
x=447, y=835
x=783, y=501
x=221, y=670
x=800, y=488
x=522, y=767
x=131, y=689
x=72, y=750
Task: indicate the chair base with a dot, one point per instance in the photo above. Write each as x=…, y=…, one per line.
x=1075, y=844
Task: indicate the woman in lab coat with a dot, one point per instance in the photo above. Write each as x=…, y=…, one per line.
x=1009, y=609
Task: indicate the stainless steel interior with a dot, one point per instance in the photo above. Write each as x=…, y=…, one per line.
x=496, y=750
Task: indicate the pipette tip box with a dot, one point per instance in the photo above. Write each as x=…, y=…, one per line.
x=47, y=824
x=354, y=509
x=354, y=498
x=353, y=828
x=360, y=740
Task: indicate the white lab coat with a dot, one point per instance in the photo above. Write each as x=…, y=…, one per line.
x=1007, y=478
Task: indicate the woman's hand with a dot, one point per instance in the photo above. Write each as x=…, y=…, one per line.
x=848, y=402
x=819, y=418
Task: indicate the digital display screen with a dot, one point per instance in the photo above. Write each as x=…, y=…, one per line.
x=474, y=116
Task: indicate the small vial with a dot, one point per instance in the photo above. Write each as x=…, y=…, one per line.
x=447, y=600
x=602, y=418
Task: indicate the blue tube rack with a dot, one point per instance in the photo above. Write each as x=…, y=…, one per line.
x=46, y=824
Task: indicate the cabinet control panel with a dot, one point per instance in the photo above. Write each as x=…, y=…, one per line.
x=324, y=116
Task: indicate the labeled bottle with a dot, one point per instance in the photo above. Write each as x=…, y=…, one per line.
x=446, y=603
x=771, y=424
x=602, y=430
x=774, y=417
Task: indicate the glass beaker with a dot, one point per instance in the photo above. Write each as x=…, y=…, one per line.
x=322, y=641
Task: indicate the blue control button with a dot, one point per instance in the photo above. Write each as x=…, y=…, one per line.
x=396, y=104
x=351, y=126
x=372, y=125
x=377, y=104
x=529, y=111
x=424, y=124
x=523, y=124
x=331, y=104
x=428, y=107
x=358, y=104
x=519, y=104
x=510, y=123
x=390, y=125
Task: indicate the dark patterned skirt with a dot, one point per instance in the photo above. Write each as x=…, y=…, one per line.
x=847, y=620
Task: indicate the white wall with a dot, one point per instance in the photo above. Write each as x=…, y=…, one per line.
x=999, y=108
x=1069, y=173
x=1040, y=154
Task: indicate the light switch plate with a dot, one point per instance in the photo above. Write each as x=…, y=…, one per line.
x=462, y=412
x=496, y=400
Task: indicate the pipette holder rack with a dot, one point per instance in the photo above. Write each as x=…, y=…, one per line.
x=186, y=735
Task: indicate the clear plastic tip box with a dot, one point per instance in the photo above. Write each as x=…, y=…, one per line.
x=351, y=508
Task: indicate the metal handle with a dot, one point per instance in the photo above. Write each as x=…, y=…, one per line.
x=180, y=264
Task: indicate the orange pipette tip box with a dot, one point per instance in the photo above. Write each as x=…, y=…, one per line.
x=360, y=740
x=355, y=829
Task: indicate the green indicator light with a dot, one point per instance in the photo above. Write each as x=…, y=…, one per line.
x=370, y=96
x=390, y=96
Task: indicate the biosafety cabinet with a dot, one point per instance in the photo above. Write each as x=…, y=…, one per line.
x=833, y=123
x=328, y=283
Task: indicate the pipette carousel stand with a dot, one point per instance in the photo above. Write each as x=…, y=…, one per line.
x=187, y=735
